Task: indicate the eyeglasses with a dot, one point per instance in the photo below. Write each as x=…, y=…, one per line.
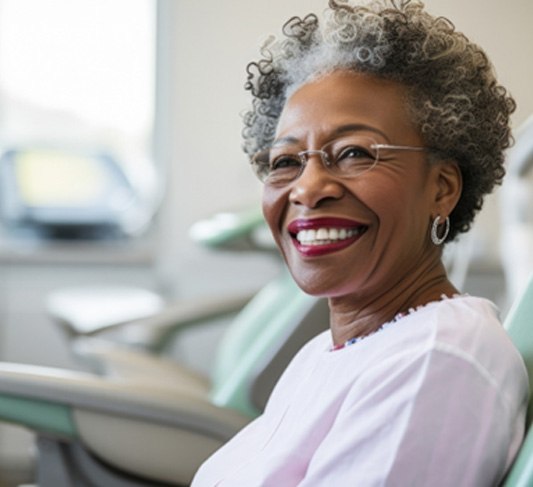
x=347, y=157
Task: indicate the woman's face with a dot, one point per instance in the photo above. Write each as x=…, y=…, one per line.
x=367, y=232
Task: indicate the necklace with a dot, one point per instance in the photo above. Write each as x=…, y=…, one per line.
x=397, y=317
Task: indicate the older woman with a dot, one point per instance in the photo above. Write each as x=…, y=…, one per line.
x=376, y=137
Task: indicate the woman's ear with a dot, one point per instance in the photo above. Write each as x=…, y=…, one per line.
x=449, y=184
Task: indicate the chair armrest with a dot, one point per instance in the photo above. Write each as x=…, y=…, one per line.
x=181, y=315
x=173, y=406
x=160, y=326
x=138, y=427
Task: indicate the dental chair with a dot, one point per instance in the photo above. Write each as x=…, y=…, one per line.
x=157, y=425
x=519, y=325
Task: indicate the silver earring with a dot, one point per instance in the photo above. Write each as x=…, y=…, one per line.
x=435, y=226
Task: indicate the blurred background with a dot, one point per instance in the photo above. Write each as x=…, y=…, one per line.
x=120, y=128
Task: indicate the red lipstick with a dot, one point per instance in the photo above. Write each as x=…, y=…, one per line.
x=315, y=244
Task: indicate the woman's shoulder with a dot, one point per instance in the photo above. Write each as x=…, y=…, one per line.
x=463, y=322
x=452, y=320
x=464, y=329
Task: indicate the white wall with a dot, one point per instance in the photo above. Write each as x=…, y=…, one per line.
x=211, y=43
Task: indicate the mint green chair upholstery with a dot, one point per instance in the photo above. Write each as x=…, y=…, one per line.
x=519, y=325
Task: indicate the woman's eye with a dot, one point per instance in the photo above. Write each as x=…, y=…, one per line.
x=285, y=161
x=354, y=152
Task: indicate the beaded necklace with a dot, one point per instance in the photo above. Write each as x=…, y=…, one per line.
x=397, y=317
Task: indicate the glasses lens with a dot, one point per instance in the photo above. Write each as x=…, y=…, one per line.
x=277, y=165
x=260, y=164
x=352, y=155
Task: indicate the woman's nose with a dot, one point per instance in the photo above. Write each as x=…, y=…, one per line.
x=315, y=185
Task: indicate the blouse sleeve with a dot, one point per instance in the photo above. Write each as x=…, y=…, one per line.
x=433, y=419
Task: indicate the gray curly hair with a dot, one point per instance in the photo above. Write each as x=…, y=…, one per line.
x=453, y=95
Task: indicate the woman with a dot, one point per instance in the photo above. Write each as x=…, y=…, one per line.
x=376, y=137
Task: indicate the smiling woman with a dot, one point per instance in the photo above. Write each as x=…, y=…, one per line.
x=377, y=136
x=389, y=205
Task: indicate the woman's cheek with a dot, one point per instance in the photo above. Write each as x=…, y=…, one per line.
x=274, y=203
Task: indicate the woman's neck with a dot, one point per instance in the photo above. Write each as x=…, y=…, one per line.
x=359, y=315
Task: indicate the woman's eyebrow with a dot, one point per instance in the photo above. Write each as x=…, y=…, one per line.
x=285, y=140
x=357, y=127
x=338, y=131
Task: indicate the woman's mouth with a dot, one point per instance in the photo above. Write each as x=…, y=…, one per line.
x=323, y=236
x=319, y=236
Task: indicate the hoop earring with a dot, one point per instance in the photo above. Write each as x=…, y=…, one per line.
x=434, y=227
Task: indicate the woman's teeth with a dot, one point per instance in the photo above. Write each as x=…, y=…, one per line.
x=323, y=236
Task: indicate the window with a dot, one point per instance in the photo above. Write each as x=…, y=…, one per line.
x=77, y=83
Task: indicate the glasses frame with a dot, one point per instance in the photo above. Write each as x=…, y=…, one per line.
x=304, y=157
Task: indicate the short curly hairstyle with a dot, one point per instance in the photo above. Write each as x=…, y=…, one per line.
x=453, y=95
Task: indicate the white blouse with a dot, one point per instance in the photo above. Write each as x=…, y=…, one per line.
x=437, y=398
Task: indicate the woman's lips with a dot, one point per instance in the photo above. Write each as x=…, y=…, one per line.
x=319, y=236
